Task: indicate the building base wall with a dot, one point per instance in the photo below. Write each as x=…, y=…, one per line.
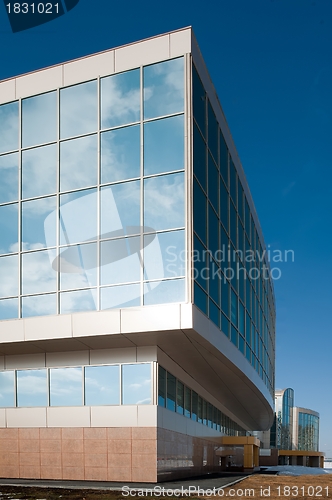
x=90, y=454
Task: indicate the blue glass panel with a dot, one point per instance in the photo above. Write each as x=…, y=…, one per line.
x=225, y=325
x=171, y=392
x=136, y=384
x=120, y=99
x=223, y=159
x=179, y=397
x=199, y=158
x=78, y=216
x=164, y=145
x=120, y=296
x=161, y=386
x=200, y=298
x=233, y=224
x=80, y=300
x=78, y=163
x=214, y=313
x=9, y=276
x=199, y=101
x=66, y=386
x=120, y=261
x=9, y=127
x=102, y=385
x=201, y=263
x=234, y=336
x=213, y=232
x=164, y=292
x=241, y=344
x=39, y=171
x=225, y=296
x=233, y=182
x=163, y=88
x=9, y=177
x=120, y=209
x=120, y=154
x=9, y=228
x=240, y=195
x=31, y=388
x=212, y=133
x=39, y=305
x=78, y=109
x=214, y=281
x=78, y=266
x=213, y=185
x=164, y=255
x=8, y=310
x=39, y=119
x=241, y=319
x=164, y=201
x=35, y=234
x=234, y=308
x=200, y=212
x=224, y=210
x=38, y=275
x=7, y=394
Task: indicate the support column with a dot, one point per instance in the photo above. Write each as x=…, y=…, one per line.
x=256, y=456
x=248, y=458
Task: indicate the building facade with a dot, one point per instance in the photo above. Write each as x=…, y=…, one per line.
x=137, y=310
x=306, y=429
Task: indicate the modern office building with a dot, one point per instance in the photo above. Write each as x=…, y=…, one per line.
x=137, y=310
x=306, y=429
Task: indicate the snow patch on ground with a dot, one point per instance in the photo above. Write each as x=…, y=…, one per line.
x=298, y=470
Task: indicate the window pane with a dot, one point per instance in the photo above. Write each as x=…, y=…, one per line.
x=39, y=305
x=9, y=276
x=9, y=127
x=78, y=109
x=164, y=292
x=120, y=261
x=78, y=217
x=9, y=177
x=164, y=201
x=163, y=88
x=80, y=300
x=164, y=255
x=9, y=228
x=120, y=209
x=37, y=273
x=187, y=402
x=164, y=145
x=213, y=133
x=161, y=386
x=120, y=296
x=120, y=99
x=199, y=158
x=35, y=234
x=179, y=397
x=200, y=298
x=39, y=171
x=39, y=119
x=31, y=388
x=78, y=266
x=199, y=100
x=7, y=389
x=223, y=158
x=136, y=384
x=213, y=185
x=171, y=394
x=8, y=308
x=78, y=163
x=66, y=386
x=120, y=154
x=102, y=385
x=200, y=212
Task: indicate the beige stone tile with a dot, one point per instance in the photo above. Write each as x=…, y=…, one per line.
x=29, y=472
x=95, y=433
x=140, y=447
x=72, y=459
x=148, y=460
x=95, y=460
x=95, y=474
x=119, y=433
x=144, y=433
x=51, y=445
x=50, y=433
x=119, y=446
x=74, y=473
x=119, y=474
x=72, y=433
x=50, y=459
x=9, y=471
x=8, y=434
x=142, y=475
x=28, y=445
x=7, y=458
x=30, y=459
x=95, y=446
x=72, y=446
x=119, y=460
x=50, y=472
x=9, y=445
x=28, y=433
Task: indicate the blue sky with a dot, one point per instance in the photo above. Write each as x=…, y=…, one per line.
x=271, y=63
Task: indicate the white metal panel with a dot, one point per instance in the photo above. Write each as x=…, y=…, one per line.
x=141, y=53
x=11, y=331
x=70, y=358
x=39, y=82
x=26, y=417
x=71, y=416
x=150, y=318
x=113, y=416
x=25, y=361
x=48, y=327
x=180, y=42
x=96, y=323
x=88, y=68
x=147, y=415
x=7, y=91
